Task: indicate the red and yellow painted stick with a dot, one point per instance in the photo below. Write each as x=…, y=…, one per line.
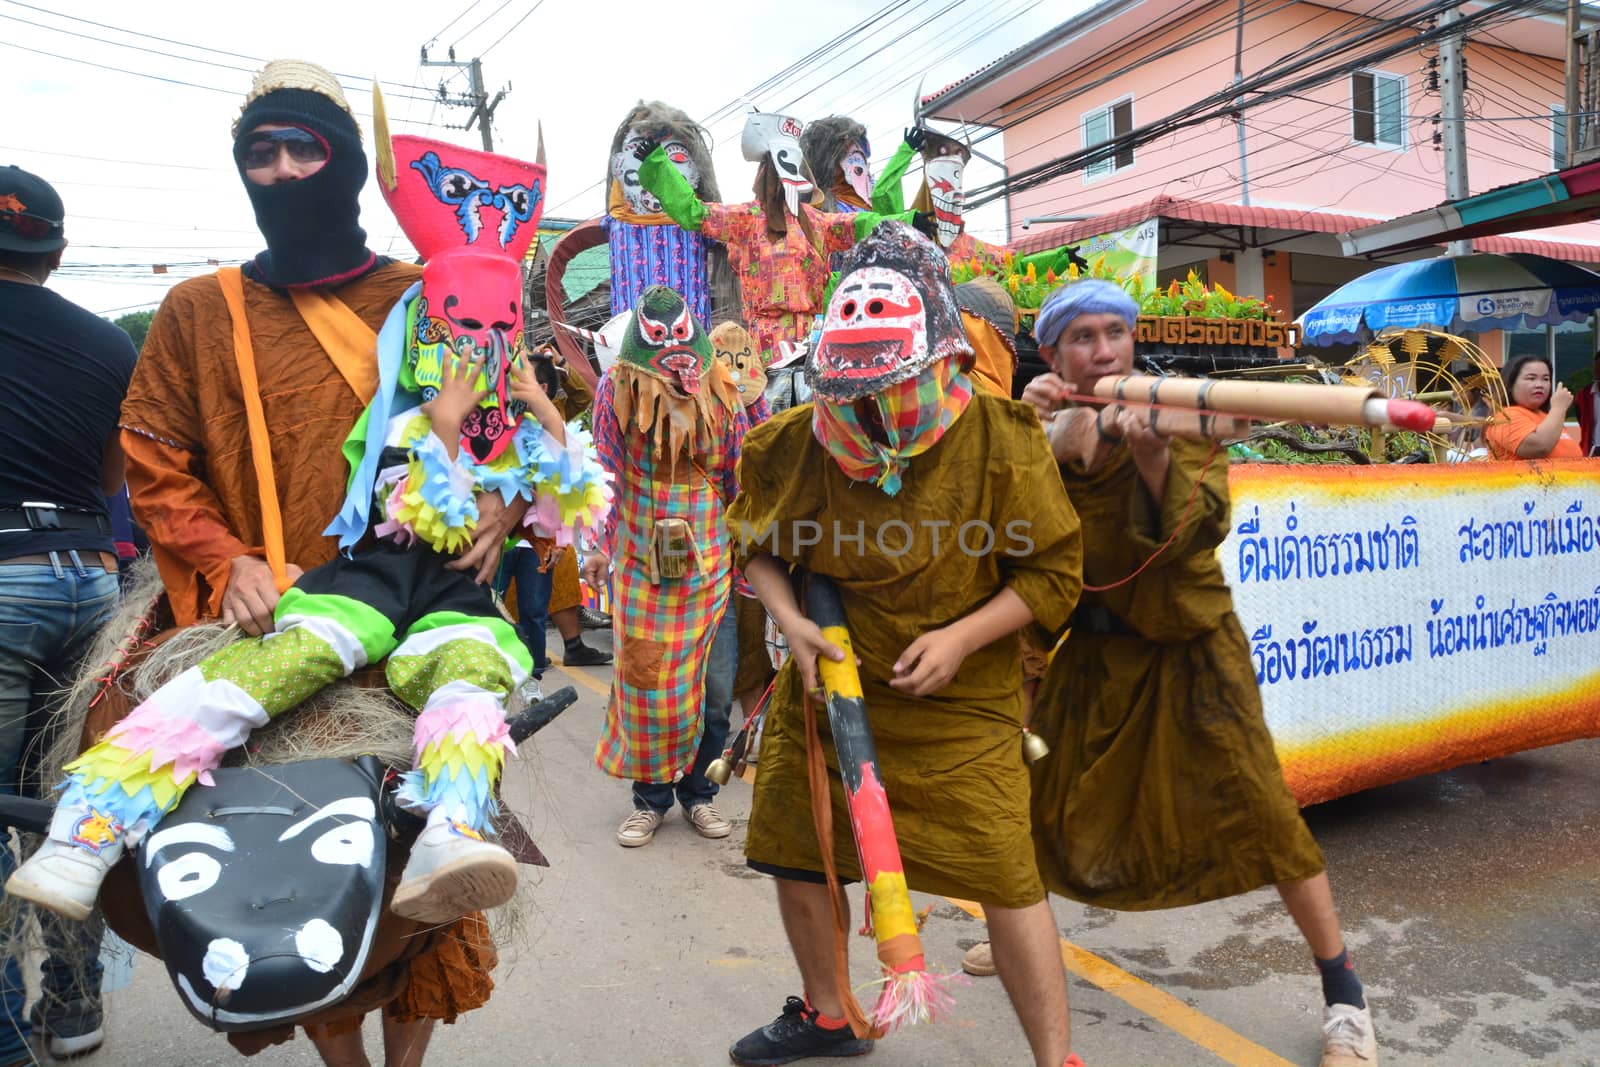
x=910, y=994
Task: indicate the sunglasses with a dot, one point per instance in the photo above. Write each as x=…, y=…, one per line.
x=261, y=149
x=33, y=227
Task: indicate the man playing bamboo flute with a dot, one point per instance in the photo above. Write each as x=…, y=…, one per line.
x=1162, y=787
x=943, y=523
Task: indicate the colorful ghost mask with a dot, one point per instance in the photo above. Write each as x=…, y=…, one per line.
x=666, y=341
x=893, y=314
x=472, y=216
x=777, y=138
x=838, y=154
x=625, y=170
x=735, y=349
x=944, y=161
x=890, y=370
x=667, y=386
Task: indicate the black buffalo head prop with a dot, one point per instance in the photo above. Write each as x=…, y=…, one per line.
x=265, y=889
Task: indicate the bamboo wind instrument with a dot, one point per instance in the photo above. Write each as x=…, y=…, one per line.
x=910, y=993
x=1206, y=407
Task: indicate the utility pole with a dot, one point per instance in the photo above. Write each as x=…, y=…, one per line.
x=1238, y=114
x=477, y=97
x=1571, y=98
x=1452, y=111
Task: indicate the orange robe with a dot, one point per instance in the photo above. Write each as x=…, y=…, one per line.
x=190, y=478
x=1507, y=430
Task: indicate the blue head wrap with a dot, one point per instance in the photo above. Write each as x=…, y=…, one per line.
x=1092, y=296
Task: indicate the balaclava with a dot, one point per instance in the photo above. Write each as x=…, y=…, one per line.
x=311, y=225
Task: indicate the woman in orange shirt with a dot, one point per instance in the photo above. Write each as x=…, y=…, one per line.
x=1530, y=426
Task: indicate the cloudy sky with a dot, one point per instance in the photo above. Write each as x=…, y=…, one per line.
x=126, y=107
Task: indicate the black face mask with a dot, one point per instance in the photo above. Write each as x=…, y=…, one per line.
x=311, y=225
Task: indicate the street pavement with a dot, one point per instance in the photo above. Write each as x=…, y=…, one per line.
x=1470, y=901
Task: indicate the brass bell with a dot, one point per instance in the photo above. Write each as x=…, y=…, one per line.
x=1033, y=747
x=719, y=771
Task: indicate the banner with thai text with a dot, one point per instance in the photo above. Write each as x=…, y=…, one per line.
x=1404, y=619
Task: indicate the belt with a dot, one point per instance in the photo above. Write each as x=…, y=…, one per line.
x=29, y=517
x=104, y=561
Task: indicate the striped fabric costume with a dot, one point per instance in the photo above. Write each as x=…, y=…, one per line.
x=670, y=428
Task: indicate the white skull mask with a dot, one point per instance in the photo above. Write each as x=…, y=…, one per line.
x=625, y=171
x=778, y=138
x=944, y=188
x=876, y=327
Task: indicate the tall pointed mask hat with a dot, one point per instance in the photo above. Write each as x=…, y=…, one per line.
x=777, y=137
x=472, y=216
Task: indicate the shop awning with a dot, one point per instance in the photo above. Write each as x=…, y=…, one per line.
x=1557, y=199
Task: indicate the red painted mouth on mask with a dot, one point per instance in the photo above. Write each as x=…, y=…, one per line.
x=863, y=353
x=941, y=215
x=683, y=363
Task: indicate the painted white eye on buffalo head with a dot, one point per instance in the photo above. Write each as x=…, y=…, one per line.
x=350, y=843
x=191, y=873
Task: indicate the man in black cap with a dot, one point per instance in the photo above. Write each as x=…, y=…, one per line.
x=63, y=373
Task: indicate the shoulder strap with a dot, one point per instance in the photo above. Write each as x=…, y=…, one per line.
x=350, y=343
x=232, y=282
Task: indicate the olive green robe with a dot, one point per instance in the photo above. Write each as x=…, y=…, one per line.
x=1162, y=787
x=951, y=762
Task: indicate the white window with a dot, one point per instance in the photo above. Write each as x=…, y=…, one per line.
x=1558, y=136
x=1378, y=108
x=1102, y=125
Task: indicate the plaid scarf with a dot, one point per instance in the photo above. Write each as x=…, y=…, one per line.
x=915, y=412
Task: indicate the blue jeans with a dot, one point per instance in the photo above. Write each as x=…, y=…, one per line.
x=695, y=788
x=533, y=601
x=47, y=624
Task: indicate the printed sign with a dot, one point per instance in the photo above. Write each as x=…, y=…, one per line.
x=1407, y=619
x=1127, y=252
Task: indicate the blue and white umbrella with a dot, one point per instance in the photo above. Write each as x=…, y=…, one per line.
x=1457, y=294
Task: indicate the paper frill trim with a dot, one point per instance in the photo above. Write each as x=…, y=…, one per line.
x=437, y=503
x=145, y=762
x=461, y=747
x=648, y=406
x=571, y=491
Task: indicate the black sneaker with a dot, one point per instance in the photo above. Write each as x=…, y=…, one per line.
x=795, y=1035
x=70, y=1029
x=591, y=619
x=578, y=654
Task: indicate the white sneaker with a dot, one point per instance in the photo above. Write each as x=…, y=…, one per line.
x=708, y=821
x=639, y=828
x=453, y=871
x=1348, y=1039
x=65, y=874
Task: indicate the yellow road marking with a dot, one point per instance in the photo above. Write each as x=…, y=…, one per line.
x=582, y=679
x=1164, y=1008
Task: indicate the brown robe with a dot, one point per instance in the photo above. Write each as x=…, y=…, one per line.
x=1162, y=787
x=951, y=762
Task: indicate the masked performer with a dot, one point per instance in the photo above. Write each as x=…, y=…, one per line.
x=944, y=162
x=444, y=430
x=646, y=246
x=669, y=425
x=1162, y=787
x=839, y=157
x=924, y=491
x=778, y=244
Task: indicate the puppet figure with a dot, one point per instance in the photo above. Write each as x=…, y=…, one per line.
x=944, y=162
x=778, y=243
x=839, y=155
x=444, y=430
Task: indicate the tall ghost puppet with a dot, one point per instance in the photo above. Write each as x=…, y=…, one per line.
x=944, y=162
x=778, y=243
x=839, y=155
x=646, y=246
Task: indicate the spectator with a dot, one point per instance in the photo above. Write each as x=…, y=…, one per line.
x=63, y=373
x=1530, y=427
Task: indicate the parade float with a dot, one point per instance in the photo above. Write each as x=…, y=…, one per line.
x=1407, y=613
